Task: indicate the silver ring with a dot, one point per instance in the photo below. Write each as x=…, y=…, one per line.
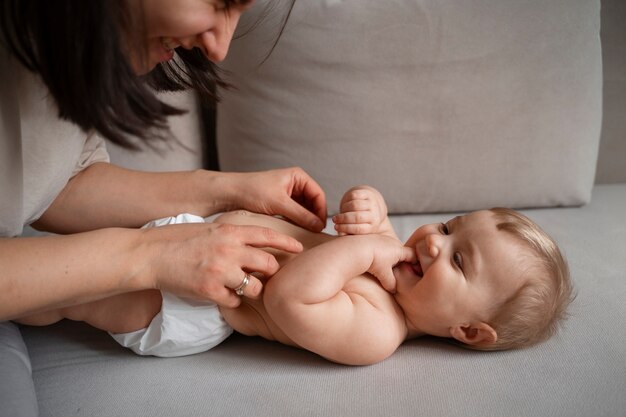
x=244, y=283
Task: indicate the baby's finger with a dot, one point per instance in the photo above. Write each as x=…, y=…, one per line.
x=388, y=280
x=353, y=217
x=407, y=255
x=354, y=229
x=355, y=205
x=356, y=193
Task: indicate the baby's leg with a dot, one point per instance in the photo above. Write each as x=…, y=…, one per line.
x=122, y=313
x=41, y=319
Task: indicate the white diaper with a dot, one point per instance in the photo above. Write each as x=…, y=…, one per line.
x=181, y=218
x=183, y=326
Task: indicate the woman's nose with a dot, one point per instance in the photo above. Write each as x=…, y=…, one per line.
x=216, y=42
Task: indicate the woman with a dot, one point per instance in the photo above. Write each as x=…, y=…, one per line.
x=74, y=71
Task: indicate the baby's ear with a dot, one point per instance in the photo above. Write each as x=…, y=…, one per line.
x=475, y=334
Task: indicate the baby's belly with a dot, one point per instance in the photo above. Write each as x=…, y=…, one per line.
x=251, y=319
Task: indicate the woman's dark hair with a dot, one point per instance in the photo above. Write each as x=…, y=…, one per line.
x=77, y=47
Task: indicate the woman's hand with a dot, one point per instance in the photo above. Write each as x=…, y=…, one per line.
x=209, y=261
x=105, y=195
x=288, y=192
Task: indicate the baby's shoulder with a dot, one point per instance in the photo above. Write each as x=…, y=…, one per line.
x=366, y=289
x=376, y=327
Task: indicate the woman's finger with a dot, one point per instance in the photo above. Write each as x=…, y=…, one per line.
x=258, y=261
x=249, y=286
x=264, y=237
x=226, y=297
x=302, y=217
x=307, y=189
x=230, y=295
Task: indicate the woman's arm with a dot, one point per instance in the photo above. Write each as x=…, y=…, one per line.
x=201, y=261
x=308, y=299
x=105, y=195
x=50, y=272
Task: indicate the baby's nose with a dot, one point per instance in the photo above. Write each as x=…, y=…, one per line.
x=432, y=245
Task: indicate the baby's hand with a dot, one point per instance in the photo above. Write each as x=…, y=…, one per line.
x=363, y=211
x=388, y=253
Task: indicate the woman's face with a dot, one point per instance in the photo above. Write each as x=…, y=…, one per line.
x=169, y=24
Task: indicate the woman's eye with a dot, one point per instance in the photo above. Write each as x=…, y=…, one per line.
x=458, y=260
x=444, y=229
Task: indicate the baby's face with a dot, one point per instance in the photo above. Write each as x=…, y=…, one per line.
x=466, y=267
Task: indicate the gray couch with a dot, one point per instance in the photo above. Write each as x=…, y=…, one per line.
x=524, y=132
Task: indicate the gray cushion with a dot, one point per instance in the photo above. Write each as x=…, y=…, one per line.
x=17, y=391
x=611, y=166
x=183, y=154
x=80, y=371
x=441, y=105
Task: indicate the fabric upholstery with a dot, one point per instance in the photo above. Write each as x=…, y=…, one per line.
x=80, y=371
x=183, y=154
x=343, y=136
x=443, y=105
x=17, y=390
x=611, y=166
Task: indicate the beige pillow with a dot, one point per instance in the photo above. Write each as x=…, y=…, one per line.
x=184, y=153
x=443, y=106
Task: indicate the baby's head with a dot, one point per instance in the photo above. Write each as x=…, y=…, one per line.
x=491, y=279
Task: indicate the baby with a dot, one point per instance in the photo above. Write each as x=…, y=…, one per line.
x=489, y=280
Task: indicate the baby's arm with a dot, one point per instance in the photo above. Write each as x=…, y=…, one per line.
x=309, y=301
x=363, y=211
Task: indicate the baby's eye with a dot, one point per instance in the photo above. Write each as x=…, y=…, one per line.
x=444, y=229
x=458, y=259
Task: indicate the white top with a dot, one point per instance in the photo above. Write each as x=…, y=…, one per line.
x=39, y=152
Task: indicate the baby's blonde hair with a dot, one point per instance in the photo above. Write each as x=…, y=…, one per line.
x=533, y=314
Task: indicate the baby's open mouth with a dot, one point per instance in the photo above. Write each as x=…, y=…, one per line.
x=417, y=268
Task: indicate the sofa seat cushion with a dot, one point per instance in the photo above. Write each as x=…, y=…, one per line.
x=80, y=371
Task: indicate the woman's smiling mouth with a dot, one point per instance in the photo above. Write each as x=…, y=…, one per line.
x=169, y=44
